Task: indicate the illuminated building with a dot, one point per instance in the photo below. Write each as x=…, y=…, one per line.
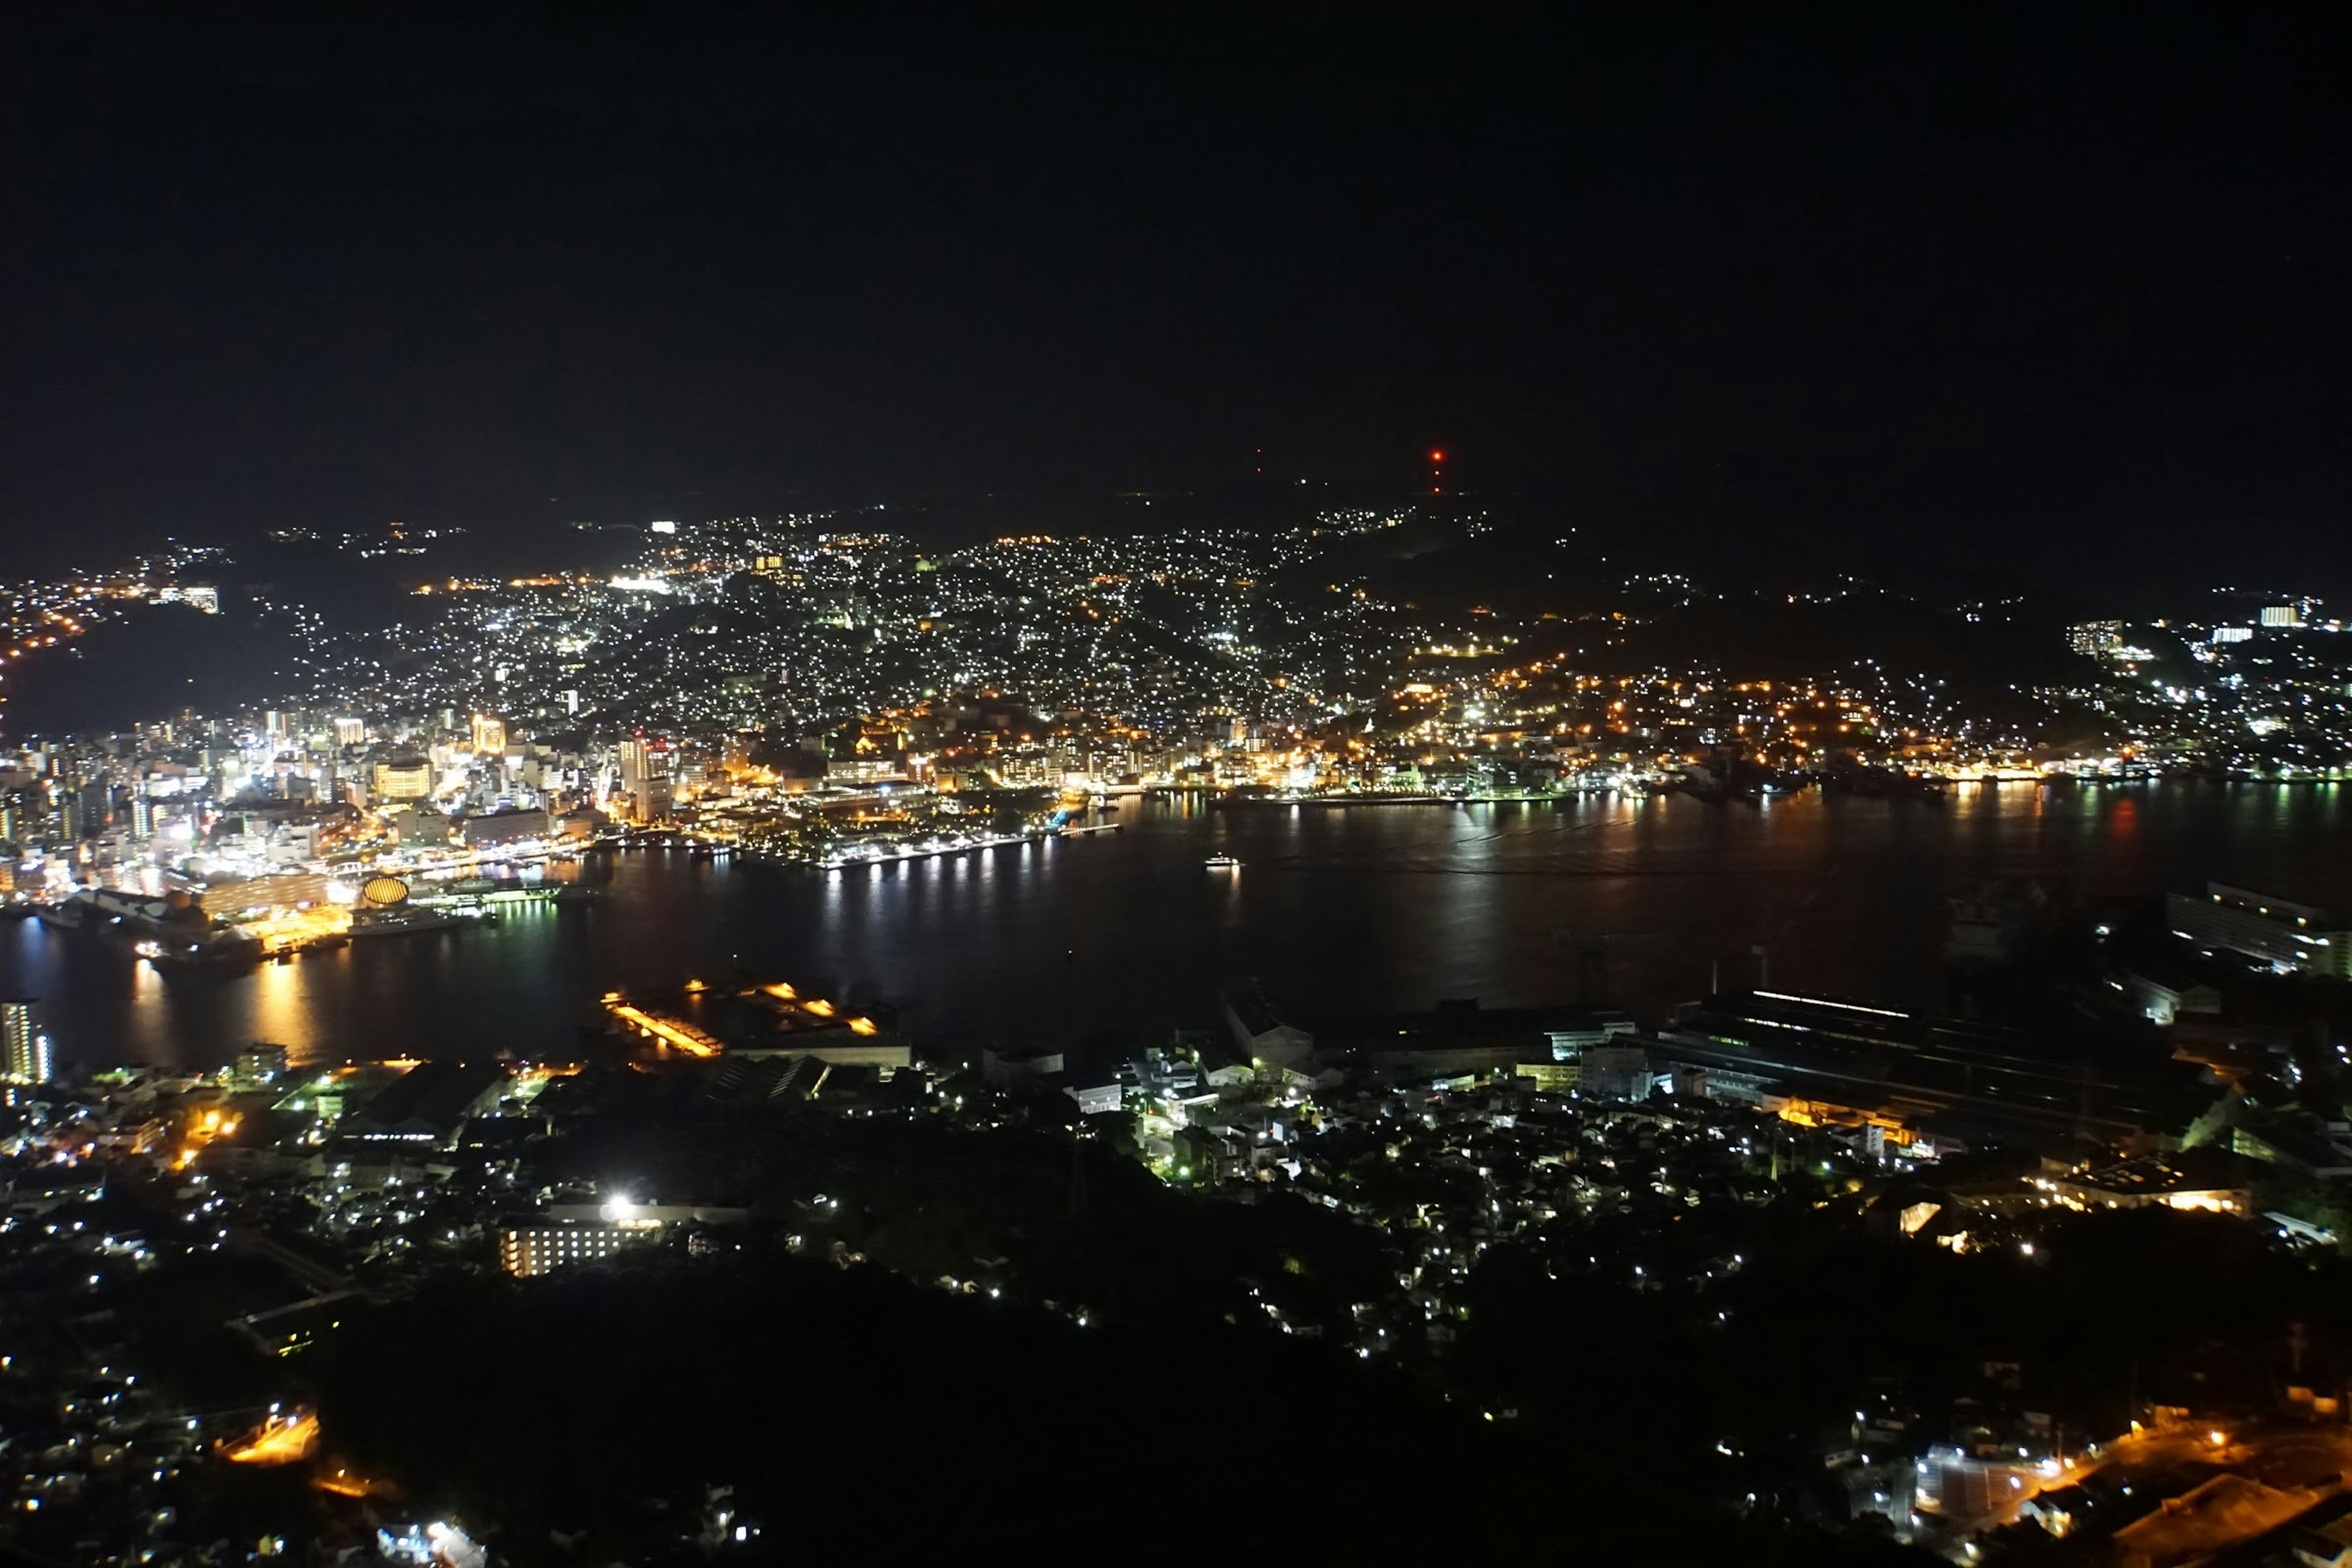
x=489, y=736
x=261, y=1062
x=404, y=778
x=646, y=779
x=1552, y=1077
x=503, y=827
x=2208, y=1179
x=2278, y=931
x=532, y=1245
x=2103, y=639
x=24, y=1048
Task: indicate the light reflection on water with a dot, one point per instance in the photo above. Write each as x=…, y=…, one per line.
x=1378, y=908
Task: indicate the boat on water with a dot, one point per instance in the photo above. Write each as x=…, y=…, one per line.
x=401, y=922
x=212, y=954
x=1222, y=863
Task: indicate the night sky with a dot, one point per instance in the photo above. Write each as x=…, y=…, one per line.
x=2051, y=289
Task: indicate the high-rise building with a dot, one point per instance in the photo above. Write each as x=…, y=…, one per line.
x=82, y=813
x=652, y=800
x=21, y=814
x=644, y=765
x=489, y=736
x=24, y=1048
x=2096, y=639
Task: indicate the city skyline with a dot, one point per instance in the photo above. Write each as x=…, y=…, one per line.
x=781, y=784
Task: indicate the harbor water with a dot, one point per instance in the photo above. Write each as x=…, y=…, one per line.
x=1640, y=902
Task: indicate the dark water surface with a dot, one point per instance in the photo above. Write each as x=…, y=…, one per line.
x=1384, y=908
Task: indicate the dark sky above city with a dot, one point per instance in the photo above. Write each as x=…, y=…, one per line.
x=2042, y=288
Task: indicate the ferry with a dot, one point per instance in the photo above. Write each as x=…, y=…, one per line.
x=218, y=952
x=66, y=916
x=400, y=922
x=1223, y=863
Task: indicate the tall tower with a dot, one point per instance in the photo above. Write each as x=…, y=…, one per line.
x=636, y=764
x=24, y=1048
x=644, y=779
